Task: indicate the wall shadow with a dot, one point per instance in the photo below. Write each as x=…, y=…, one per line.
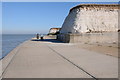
x=48, y=40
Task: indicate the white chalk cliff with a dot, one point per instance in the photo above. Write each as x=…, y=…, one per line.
x=91, y=18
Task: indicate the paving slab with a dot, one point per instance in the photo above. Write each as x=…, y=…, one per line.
x=35, y=59
x=97, y=64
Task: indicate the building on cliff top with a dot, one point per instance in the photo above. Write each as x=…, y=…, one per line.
x=91, y=18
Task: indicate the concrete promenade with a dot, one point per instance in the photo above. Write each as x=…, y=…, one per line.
x=53, y=59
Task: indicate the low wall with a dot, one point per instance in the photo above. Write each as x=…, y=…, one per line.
x=111, y=37
x=64, y=37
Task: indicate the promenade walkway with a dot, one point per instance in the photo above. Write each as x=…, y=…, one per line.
x=52, y=59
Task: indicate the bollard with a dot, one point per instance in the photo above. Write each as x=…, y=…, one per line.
x=41, y=38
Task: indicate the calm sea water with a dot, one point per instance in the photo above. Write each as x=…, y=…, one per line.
x=11, y=41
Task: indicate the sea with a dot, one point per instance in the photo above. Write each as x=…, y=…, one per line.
x=11, y=41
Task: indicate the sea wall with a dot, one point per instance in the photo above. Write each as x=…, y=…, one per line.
x=8, y=58
x=104, y=38
x=91, y=18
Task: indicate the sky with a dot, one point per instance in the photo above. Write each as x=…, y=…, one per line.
x=59, y=0
x=33, y=17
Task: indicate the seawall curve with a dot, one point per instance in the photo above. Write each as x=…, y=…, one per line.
x=8, y=58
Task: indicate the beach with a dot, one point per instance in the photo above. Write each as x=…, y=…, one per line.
x=50, y=58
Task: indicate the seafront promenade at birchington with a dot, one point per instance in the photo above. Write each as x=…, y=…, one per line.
x=53, y=59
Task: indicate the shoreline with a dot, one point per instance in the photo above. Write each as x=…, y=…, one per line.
x=5, y=61
x=8, y=58
x=11, y=41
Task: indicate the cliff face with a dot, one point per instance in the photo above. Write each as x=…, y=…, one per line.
x=91, y=18
x=54, y=30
